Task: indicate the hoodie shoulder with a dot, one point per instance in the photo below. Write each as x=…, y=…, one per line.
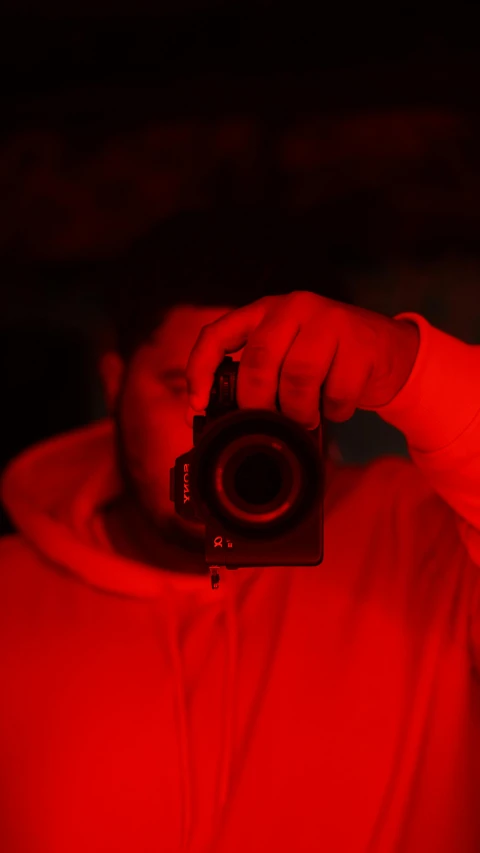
x=16, y=557
x=12, y=544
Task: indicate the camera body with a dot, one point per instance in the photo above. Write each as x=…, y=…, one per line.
x=255, y=478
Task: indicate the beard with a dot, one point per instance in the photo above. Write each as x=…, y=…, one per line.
x=159, y=537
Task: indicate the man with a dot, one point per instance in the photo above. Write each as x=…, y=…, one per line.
x=294, y=708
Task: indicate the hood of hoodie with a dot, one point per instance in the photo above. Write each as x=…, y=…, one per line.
x=54, y=493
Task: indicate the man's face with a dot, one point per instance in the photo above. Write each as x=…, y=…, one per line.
x=149, y=403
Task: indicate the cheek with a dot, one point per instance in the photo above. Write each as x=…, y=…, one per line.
x=155, y=435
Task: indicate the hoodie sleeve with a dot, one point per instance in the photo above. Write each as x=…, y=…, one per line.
x=438, y=411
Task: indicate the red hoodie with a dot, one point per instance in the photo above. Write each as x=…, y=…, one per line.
x=332, y=708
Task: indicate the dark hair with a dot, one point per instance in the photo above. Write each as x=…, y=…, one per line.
x=212, y=258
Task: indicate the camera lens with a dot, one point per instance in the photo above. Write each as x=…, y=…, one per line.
x=257, y=473
x=257, y=479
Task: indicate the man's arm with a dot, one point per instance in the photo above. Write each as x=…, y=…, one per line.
x=438, y=411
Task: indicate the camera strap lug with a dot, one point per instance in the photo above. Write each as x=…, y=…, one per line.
x=215, y=576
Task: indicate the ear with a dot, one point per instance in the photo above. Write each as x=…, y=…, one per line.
x=111, y=368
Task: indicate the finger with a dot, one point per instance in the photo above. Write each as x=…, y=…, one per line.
x=303, y=371
x=347, y=377
x=226, y=335
x=261, y=362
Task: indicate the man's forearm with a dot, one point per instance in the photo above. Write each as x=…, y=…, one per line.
x=440, y=394
x=438, y=411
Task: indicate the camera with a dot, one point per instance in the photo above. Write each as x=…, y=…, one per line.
x=255, y=479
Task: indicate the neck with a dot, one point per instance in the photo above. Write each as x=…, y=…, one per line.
x=134, y=536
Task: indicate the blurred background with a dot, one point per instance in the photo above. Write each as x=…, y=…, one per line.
x=113, y=119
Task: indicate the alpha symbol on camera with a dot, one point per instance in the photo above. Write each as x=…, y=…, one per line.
x=218, y=542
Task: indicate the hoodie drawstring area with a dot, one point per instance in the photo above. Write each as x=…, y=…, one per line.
x=186, y=774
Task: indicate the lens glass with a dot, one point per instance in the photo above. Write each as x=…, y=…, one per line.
x=258, y=479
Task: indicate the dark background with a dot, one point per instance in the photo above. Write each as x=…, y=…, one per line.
x=115, y=117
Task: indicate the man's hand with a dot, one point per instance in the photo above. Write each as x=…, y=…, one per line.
x=296, y=343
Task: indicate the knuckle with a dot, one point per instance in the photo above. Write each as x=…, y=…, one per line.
x=304, y=297
x=299, y=376
x=256, y=357
x=205, y=331
x=267, y=301
x=259, y=380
